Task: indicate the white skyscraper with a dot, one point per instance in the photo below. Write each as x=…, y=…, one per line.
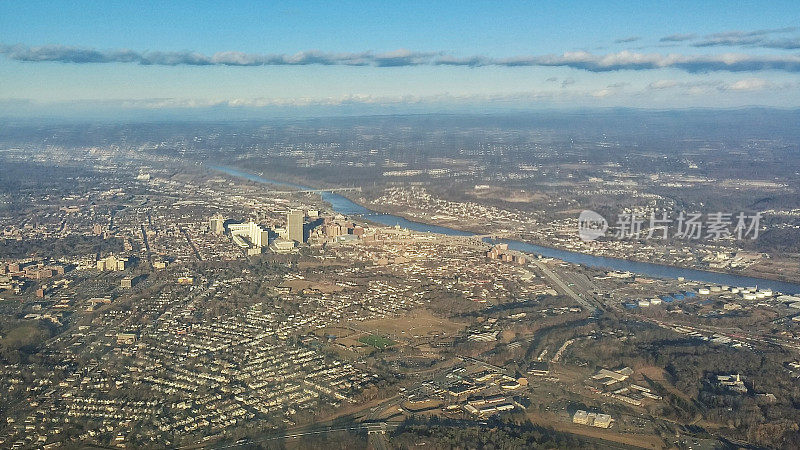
x=295, y=225
x=217, y=224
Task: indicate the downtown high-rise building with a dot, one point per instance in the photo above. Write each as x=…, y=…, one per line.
x=294, y=225
x=217, y=224
x=255, y=233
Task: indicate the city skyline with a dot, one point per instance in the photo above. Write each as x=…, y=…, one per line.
x=393, y=225
x=286, y=59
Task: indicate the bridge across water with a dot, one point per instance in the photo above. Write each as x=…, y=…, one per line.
x=318, y=191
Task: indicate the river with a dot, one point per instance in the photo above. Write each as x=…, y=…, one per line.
x=345, y=206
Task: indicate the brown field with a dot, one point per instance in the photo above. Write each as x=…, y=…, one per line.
x=339, y=332
x=351, y=342
x=420, y=323
x=657, y=374
x=563, y=424
x=310, y=264
x=778, y=269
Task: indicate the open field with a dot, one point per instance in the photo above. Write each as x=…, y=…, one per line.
x=311, y=264
x=376, y=341
x=657, y=374
x=564, y=424
x=777, y=268
x=338, y=332
x=418, y=323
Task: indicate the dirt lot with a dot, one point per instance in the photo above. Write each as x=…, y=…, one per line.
x=310, y=264
x=657, y=374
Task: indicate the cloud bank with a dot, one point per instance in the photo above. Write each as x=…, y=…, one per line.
x=740, y=38
x=748, y=39
x=744, y=85
x=624, y=60
x=678, y=37
x=627, y=39
x=78, y=55
x=332, y=101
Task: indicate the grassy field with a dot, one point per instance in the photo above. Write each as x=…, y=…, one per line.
x=376, y=341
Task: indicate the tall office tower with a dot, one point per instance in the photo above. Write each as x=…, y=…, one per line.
x=294, y=225
x=256, y=234
x=217, y=224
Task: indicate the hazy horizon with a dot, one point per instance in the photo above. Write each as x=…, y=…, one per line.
x=112, y=59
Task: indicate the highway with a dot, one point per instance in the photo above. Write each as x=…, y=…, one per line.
x=751, y=338
x=566, y=289
x=146, y=244
x=377, y=427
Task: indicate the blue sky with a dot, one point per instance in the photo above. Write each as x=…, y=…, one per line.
x=116, y=56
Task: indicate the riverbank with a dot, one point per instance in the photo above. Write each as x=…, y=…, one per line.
x=347, y=206
x=542, y=244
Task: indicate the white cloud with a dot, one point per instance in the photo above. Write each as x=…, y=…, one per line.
x=703, y=86
x=582, y=60
x=749, y=84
